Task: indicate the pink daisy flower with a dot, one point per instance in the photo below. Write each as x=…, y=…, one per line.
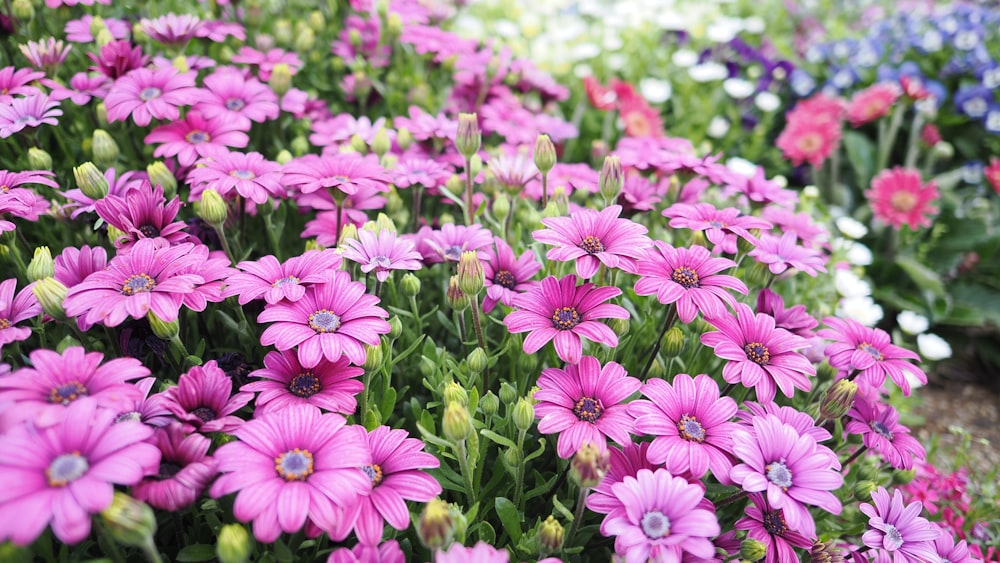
x=899, y=197
x=794, y=319
x=721, y=226
x=146, y=93
x=78, y=30
x=203, y=400
x=571, y=177
x=424, y=126
x=185, y=470
x=802, y=422
x=690, y=278
x=17, y=82
x=142, y=213
x=214, y=268
x=506, y=274
x=30, y=111
x=332, y=319
x=513, y=171
x=292, y=465
x=802, y=224
x=46, y=55
x=583, y=403
x=759, y=355
x=382, y=253
x=341, y=128
x=591, y=238
x=482, y=552
x=273, y=281
x=386, y=552
x=217, y=31
x=14, y=309
x=448, y=243
x=118, y=184
x=241, y=100
x=330, y=386
x=870, y=352
x=948, y=550
x=147, y=409
x=63, y=474
x=118, y=58
x=232, y=174
x=758, y=189
x=265, y=61
x=662, y=519
x=690, y=425
x=73, y=265
x=82, y=88
x=625, y=462
x=172, y=29
x=561, y=311
x=195, y=136
x=779, y=254
x=767, y=525
x=881, y=431
x=346, y=172
x=421, y=172
x=897, y=532
x=872, y=103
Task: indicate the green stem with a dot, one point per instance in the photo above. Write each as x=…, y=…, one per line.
x=416, y=314
x=912, y=147
x=581, y=504
x=150, y=551
x=731, y=499
x=854, y=456
x=463, y=465
x=272, y=234
x=519, y=483
x=888, y=139
x=545, y=190
x=469, y=212
x=671, y=316
x=116, y=554
x=477, y=324
x=225, y=243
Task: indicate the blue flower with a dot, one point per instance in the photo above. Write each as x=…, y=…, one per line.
x=991, y=121
x=973, y=101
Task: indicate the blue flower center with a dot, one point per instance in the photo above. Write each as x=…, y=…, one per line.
x=374, y=472
x=881, y=429
x=453, y=253
x=197, y=137
x=67, y=393
x=304, y=385
x=591, y=244
x=150, y=93
x=131, y=416
x=565, y=318
x=204, y=414
x=235, y=104
x=655, y=524
x=294, y=465
x=757, y=353
x=779, y=474
x=323, y=321
x=243, y=174
x=893, y=539
x=284, y=280
x=381, y=262
x=588, y=409
x=871, y=351
x=686, y=277
x=66, y=468
x=138, y=283
x=774, y=523
x=690, y=429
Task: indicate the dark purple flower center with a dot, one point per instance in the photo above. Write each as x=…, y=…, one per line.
x=294, y=465
x=149, y=231
x=686, y=277
x=774, y=523
x=565, y=318
x=168, y=470
x=381, y=262
x=505, y=278
x=66, y=468
x=757, y=353
x=67, y=393
x=717, y=224
x=893, y=539
x=137, y=283
x=779, y=474
x=243, y=174
x=131, y=416
x=304, y=385
x=588, y=409
x=284, y=280
x=204, y=414
x=150, y=93
x=5, y=323
x=591, y=244
x=690, y=429
x=881, y=429
x=872, y=351
x=324, y=321
x=655, y=524
x=453, y=253
x=374, y=472
x=235, y=104
x=197, y=137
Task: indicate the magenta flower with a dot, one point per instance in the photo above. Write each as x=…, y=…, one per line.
x=898, y=533
x=147, y=409
x=794, y=319
x=142, y=213
x=690, y=278
x=118, y=184
x=290, y=465
x=662, y=519
x=948, y=550
x=760, y=356
x=232, y=174
x=759, y=189
x=448, y=243
x=118, y=58
x=265, y=61
x=767, y=525
x=332, y=319
x=870, y=353
x=62, y=474
x=47, y=55
x=14, y=309
x=690, y=425
x=341, y=128
x=214, y=268
x=421, y=172
x=346, y=172
x=625, y=462
x=386, y=552
x=273, y=281
x=513, y=171
x=73, y=265
x=424, y=126
x=591, y=238
x=881, y=431
x=172, y=29
x=330, y=386
x=721, y=226
x=185, y=470
x=197, y=137
x=18, y=82
x=146, y=93
x=482, y=552
x=203, y=400
x=584, y=403
x=31, y=111
x=241, y=100
x=382, y=253
x=798, y=420
x=561, y=311
x=793, y=469
x=802, y=224
x=82, y=88
x=782, y=253
x=506, y=274
x=78, y=31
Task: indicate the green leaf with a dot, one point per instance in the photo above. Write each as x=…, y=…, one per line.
x=498, y=438
x=510, y=517
x=432, y=438
x=861, y=154
x=282, y=553
x=925, y=278
x=196, y=552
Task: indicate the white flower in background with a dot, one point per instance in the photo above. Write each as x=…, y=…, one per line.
x=912, y=378
x=718, y=127
x=932, y=347
x=849, y=284
x=742, y=166
x=766, y=101
x=708, y=72
x=582, y=71
x=862, y=309
x=615, y=61
x=754, y=24
x=780, y=181
x=585, y=51
x=859, y=255
x=613, y=41
x=808, y=192
x=655, y=91
x=506, y=28
x=670, y=20
x=737, y=88
x=912, y=323
x=684, y=58
x=724, y=29
x=851, y=227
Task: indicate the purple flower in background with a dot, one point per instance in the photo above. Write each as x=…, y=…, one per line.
x=196, y=137
x=721, y=226
x=870, y=352
x=203, y=400
x=341, y=128
x=782, y=253
x=424, y=126
x=448, y=243
x=802, y=422
x=145, y=94
x=118, y=58
x=482, y=552
x=82, y=87
x=346, y=173
x=625, y=462
x=46, y=55
x=794, y=319
x=881, y=431
x=421, y=172
x=241, y=100
x=78, y=31
x=141, y=213
x=185, y=470
x=232, y=174
x=898, y=533
x=265, y=61
x=802, y=224
x=273, y=281
x=758, y=189
x=17, y=82
x=386, y=552
x=768, y=526
x=283, y=382
x=30, y=111
x=172, y=29
x=14, y=309
x=382, y=253
x=591, y=238
x=948, y=550
x=507, y=275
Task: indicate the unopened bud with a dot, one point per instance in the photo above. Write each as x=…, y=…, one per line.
x=469, y=138
x=393, y=26
x=281, y=78
x=129, y=521
x=943, y=151
x=234, y=544
x=457, y=299
x=305, y=40
x=283, y=157
x=381, y=143
x=409, y=286
x=282, y=31
x=490, y=403
x=50, y=294
x=317, y=22
x=501, y=207
x=612, y=179
x=620, y=326
x=211, y=208
x=589, y=465
x=23, y=9
x=514, y=457
x=162, y=329
x=404, y=139
x=160, y=175
x=752, y=550
x=656, y=370
x=550, y=535
x=373, y=357
x=524, y=414
x=863, y=490
x=395, y=328
x=904, y=477
x=105, y=149
x=347, y=232
x=551, y=210
x=91, y=181
x=457, y=426
x=508, y=394
x=41, y=265
x=101, y=110
x=436, y=527
x=358, y=144
x=470, y=273
x=300, y=145
x=38, y=159
x=455, y=393
x=477, y=360
x=527, y=362
x=673, y=342
x=545, y=153
x=826, y=552
x=839, y=399
x=758, y=274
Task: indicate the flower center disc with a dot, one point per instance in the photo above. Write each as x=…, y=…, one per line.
x=686, y=277
x=304, y=385
x=294, y=465
x=691, y=429
x=565, y=318
x=591, y=244
x=505, y=279
x=757, y=353
x=893, y=539
x=243, y=174
x=66, y=468
x=138, y=283
x=284, y=280
x=881, y=429
x=588, y=409
x=774, y=523
x=149, y=231
x=903, y=201
x=381, y=262
x=374, y=472
x=197, y=137
x=655, y=525
x=149, y=94
x=204, y=414
x=323, y=321
x=453, y=253
x=872, y=351
x=779, y=474
x=5, y=323
x=235, y=104
x=67, y=393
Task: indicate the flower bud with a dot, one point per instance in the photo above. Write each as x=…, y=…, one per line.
x=114, y=234
x=373, y=357
x=384, y=223
x=393, y=26
x=311, y=244
x=524, y=414
x=620, y=326
x=457, y=426
x=825, y=552
x=551, y=210
x=23, y=9
x=839, y=399
x=105, y=149
x=673, y=342
x=501, y=207
x=404, y=139
x=211, y=208
x=305, y=40
x=470, y=273
x=101, y=110
x=656, y=370
x=162, y=329
x=589, y=465
x=234, y=544
x=490, y=403
x=455, y=393
x=160, y=175
x=550, y=535
x=300, y=145
x=527, y=362
x=281, y=78
x=904, y=477
x=395, y=328
x=757, y=275
x=477, y=360
x=38, y=159
x=943, y=151
x=283, y=31
x=50, y=294
x=545, y=153
x=381, y=143
x=612, y=179
x=283, y=157
x=129, y=521
x=469, y=138
x=752, y=550
x=428, y=367
x=409, y=286
x=457, y=299
x=436, y=527
x=103, y=37
x=41, y=265
x=348, y=232
x=91, y=181
x=863, y=490
x=561, y=198
x=317, y=22
x=868, y=471
x=507, y=393
x=513, y=457
x=358, y=144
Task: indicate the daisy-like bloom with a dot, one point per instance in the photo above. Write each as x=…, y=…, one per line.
x=330, y=386
x=82, y=88
x=396, y=476
x=690, y=423
x=42, y=392
x=30, y=111
x=421, y=172
x=881, y=432
x=759, y=189
x=146, y=279
x=760, y=356
x=899, y=197
x=583, y=403
x=424, y=126
x=872, y=103
x=142, y=212
x=591, y=238
x=721, y=226
x=897, y=532
x=118, y=184
x=73, y=265
x=948, y=550
x=118, y=58
x=345, y=172
x=813, y=131
x=386, y=552
x=45, y=55
x=482, y=552
x=237, y=98
x=248, y=175
x=767, y=525
x=147, y=93
x=690, y=278
x=203, y=400
x=640, y=194
x=662, y=519
x=382, y=253
x=265, y=61
x=14, y=309
x=561, y=311
x=794, y=319
x=780, y=254
x=185, y=470
x=172, y=29
x=196, y=136
x=66, y=472
x=341, y=128
x=273, y=281
x=870, y=352
x=147, y=409
x=292, y=464
x=798, y=420
x=332, y=319
x=792, y=468
x=448, y=243
x=513, y=171
x=78, y=30
x=17, y=82
x=214, y=268
x=507, y=275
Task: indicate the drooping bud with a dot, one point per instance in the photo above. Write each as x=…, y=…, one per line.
x=752, y=550
x=91, y=181
x=863, y=490
x=381, y=143
x=457, y=426
x=212, y=208
x=477, y=360
x=162, y=329
x=550, y=535
x=839, y=399
x=41, y=265
x=490, y=403
x=524, y=414
x=457, y=299
x=373, y=357
x=589, y=465
x=160, y=175
x=129, y=521
x=469, y=138
x=409, y=286
x=612, y=179
x=673, y=342
x=50, y=294
x=38, y=159
x=470, y=273
x=281, y=78
x=545, y=153
x=347, y=232
x=455, y=393
x=234, y=544
x=436, y=527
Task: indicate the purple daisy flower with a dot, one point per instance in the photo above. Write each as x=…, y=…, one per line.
x=203, y=400
x=185, y=470
x=591, y=238
x=561, y=311
x=265, y=61
x=690, y=423
x=690, y=278
x=767, y=525
x=760, y=356
x=14, y=309
x=196, y=137
x=66, y=472
x=794, y=319
x=896, y=532
x=804, y=424
x=345, y=172
x=273, y=281
x=881, y=431
x=584, y=403
x=341, y=128
x=213, y=267
x=482, y=552
x=46, y=55
x=721, y=226
x=78, y=31
x=948, y=550
x=802, y=224
x=82, y=88
x=382, y=253
x=18, y=82
x=172, y=29
x=147, y=93
x=118, y=58
x=662, y=519
x=141, y=213
x=513, y=171
x=779, y=254
x=293, y=464
x=238, y=99
x=147, y=409
x=332, y=319
x=30, y=111
x=506, y=274
x=421, y=172
x=448, y=243
x=870, y=353
x=759, y=189
x=625, y=462
x=247, y=175
x=424, y=126
x=118, y=184
x=386, y=552
x=330, y=386
x=792, y=468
